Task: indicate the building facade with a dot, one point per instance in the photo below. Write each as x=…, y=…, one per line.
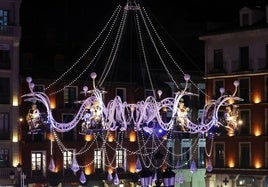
x=10, y=33
x=241, y=53
x=48, y=156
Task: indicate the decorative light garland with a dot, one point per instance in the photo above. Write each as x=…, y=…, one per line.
x=142, y=116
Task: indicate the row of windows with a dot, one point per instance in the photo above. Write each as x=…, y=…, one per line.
x=38, y=161
x=244, y=61
x=243, y=159
x=244, y=89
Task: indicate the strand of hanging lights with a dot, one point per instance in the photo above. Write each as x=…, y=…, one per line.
x=144, y=117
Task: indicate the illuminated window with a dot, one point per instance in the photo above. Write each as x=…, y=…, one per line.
x=38, y=163
x=98, y=160
x=170, y=147
x=201, y=153
x=4, y=158
x=68, y=158
x=4, y=126
x=265, y=182
x=120, y=158
x=186, y=152
x=246, y=181
x=4, y=14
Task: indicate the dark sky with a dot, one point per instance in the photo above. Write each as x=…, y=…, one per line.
x=183, y=21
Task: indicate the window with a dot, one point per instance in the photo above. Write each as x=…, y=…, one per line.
x=246, y=181
x=70, y=96
x=4, y=90
x=244, y=58
x=266, y=122
x=186, y=152
x=68, y=158
x=120, y=158
x=245, y=19
x=3, y=19
x=266, y=155
x=70, y=135
x=217, y=85
x=266, y=89
x=219, y=151
x=218, y=59
x=4, y=56
x=4, y=158
x=38, y=163
x=201, y=153
x=149, y=92
x=170, y=147
x=244, y=155
x=245, y=127
x=265, y=182
x=4, y=126
x=244, y=89
x=39, y=88
x=98, y=160
x=266, y=56
x=201, y=95
x=186, y=98
x=121, y=92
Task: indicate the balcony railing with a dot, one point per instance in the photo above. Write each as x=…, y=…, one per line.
x=8, y=30
x=5, y=172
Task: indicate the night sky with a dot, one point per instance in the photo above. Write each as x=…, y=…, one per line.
x=81, y=20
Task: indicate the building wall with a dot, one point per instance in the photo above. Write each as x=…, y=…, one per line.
x=10, y=33
x=255, y=138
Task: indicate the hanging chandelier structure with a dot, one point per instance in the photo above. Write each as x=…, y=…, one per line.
x=95, y=116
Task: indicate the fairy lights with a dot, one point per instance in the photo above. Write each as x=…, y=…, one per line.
x=141, y=119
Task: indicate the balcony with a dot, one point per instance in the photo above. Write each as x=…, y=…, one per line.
x=7, y=176
x=7, y=30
